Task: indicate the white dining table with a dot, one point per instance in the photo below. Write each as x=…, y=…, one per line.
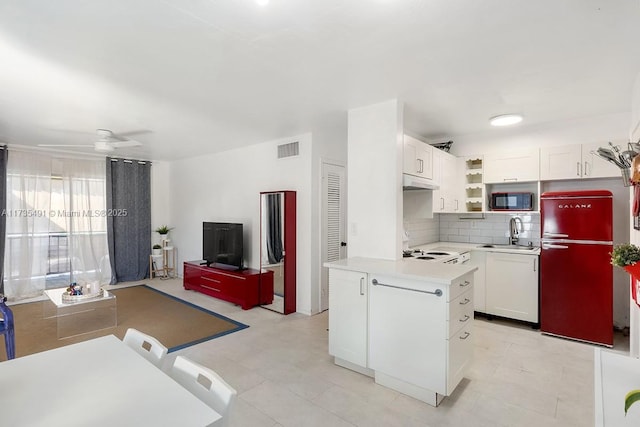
x=100, y=382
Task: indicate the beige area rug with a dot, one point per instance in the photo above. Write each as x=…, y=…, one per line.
x=174, y=322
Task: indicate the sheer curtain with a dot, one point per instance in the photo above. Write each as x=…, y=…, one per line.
x=85, y=214
x=27, y=227
x=56, y=225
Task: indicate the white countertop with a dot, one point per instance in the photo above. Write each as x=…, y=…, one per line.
x=475, y=247
x=434, y=272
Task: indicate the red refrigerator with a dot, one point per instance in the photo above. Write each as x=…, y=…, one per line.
x=576, y=275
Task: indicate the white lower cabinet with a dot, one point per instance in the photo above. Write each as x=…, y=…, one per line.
x=348, y=316
x=512, y=286
x=420, y=343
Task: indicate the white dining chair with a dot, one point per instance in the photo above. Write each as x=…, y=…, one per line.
x=146, y=345
x=206, y=385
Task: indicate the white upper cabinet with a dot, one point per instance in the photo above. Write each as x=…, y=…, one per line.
x=574, y=162
x=518, y=165
x=445, y=173
x=418, y=158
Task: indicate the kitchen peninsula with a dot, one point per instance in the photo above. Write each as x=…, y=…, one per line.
x=406, y=323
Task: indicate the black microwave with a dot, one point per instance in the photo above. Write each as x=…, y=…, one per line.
x=511, y=201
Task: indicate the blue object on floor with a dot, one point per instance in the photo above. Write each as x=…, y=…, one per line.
x=6, y=328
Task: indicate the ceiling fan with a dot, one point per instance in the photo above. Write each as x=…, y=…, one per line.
x=107, y=142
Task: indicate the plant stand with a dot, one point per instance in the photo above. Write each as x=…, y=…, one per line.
x=168, y=258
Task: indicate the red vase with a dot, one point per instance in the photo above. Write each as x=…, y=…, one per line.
x=634, y=271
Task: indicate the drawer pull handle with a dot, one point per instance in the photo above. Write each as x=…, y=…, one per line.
x=465, y=283
x=209, y=287
x=211, y=280
x=466, y=335
x=465, y=318
x=465, y=301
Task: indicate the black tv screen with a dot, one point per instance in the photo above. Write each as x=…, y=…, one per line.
x=222, y=244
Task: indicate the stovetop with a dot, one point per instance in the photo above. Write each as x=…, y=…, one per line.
x=436, y=254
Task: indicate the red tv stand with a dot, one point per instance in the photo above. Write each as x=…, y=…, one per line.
x=246, y=288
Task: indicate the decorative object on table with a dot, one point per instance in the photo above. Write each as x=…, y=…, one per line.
x=157, y=249
x=163, y=231
x=74, y=289
x=627, y=256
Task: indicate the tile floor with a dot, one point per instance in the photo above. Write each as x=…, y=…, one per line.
x=285, y=377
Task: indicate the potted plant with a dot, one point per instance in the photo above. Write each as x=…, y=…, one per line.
x=157, y=249
x=163, y=231
x=626, y=256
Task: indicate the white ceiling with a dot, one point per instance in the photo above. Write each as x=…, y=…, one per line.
x=205, y=75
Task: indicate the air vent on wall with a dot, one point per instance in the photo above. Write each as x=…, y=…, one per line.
x=288, y=150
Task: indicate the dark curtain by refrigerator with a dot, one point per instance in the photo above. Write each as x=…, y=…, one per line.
x=274, y=228
x=129, y=226
x=4, y=154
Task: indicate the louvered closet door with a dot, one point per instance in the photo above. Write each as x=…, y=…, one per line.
x=333, y=223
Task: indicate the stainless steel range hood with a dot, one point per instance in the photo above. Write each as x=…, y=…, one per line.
x=410, y=182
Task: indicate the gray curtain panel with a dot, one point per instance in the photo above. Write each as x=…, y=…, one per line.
x=4, y=155
x=129, y=225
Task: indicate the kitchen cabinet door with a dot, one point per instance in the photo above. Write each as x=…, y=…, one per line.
x=574, y=162
x=418, y=158
x=348, y=316
x=408, y=331
x=512, y=286
x=445, y=172
x=594, y=166
x=563, y=162
x=520, y=165
x=450, y=183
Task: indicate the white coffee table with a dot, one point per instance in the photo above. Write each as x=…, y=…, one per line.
x=82, y=316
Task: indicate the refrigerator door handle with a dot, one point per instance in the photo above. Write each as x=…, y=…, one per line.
x=550, y=246
x=546, y=234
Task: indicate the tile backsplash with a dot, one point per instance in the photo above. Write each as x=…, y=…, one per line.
x=421, y=231
x=492, y=229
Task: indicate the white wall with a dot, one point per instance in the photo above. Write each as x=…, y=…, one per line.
x=374, y=175
x=226, y=187
x=160, y=198
x=330, y=145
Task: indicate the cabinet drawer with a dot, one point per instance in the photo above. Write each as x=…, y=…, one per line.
x=460, y=312
x=460, y=352
x=460, y=285
x=217, y=284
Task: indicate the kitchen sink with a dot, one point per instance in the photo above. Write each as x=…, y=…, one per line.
x=511, y=247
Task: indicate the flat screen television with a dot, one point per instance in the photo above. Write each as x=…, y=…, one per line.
x=222, y=244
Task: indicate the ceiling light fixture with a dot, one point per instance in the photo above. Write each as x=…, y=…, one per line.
x=505, y=119
x=262, y=2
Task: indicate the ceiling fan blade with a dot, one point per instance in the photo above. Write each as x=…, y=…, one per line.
x=127, y=143
x=133, y=132
x=64, y=145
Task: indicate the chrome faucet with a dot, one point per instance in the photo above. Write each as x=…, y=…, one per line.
x=514, y=230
